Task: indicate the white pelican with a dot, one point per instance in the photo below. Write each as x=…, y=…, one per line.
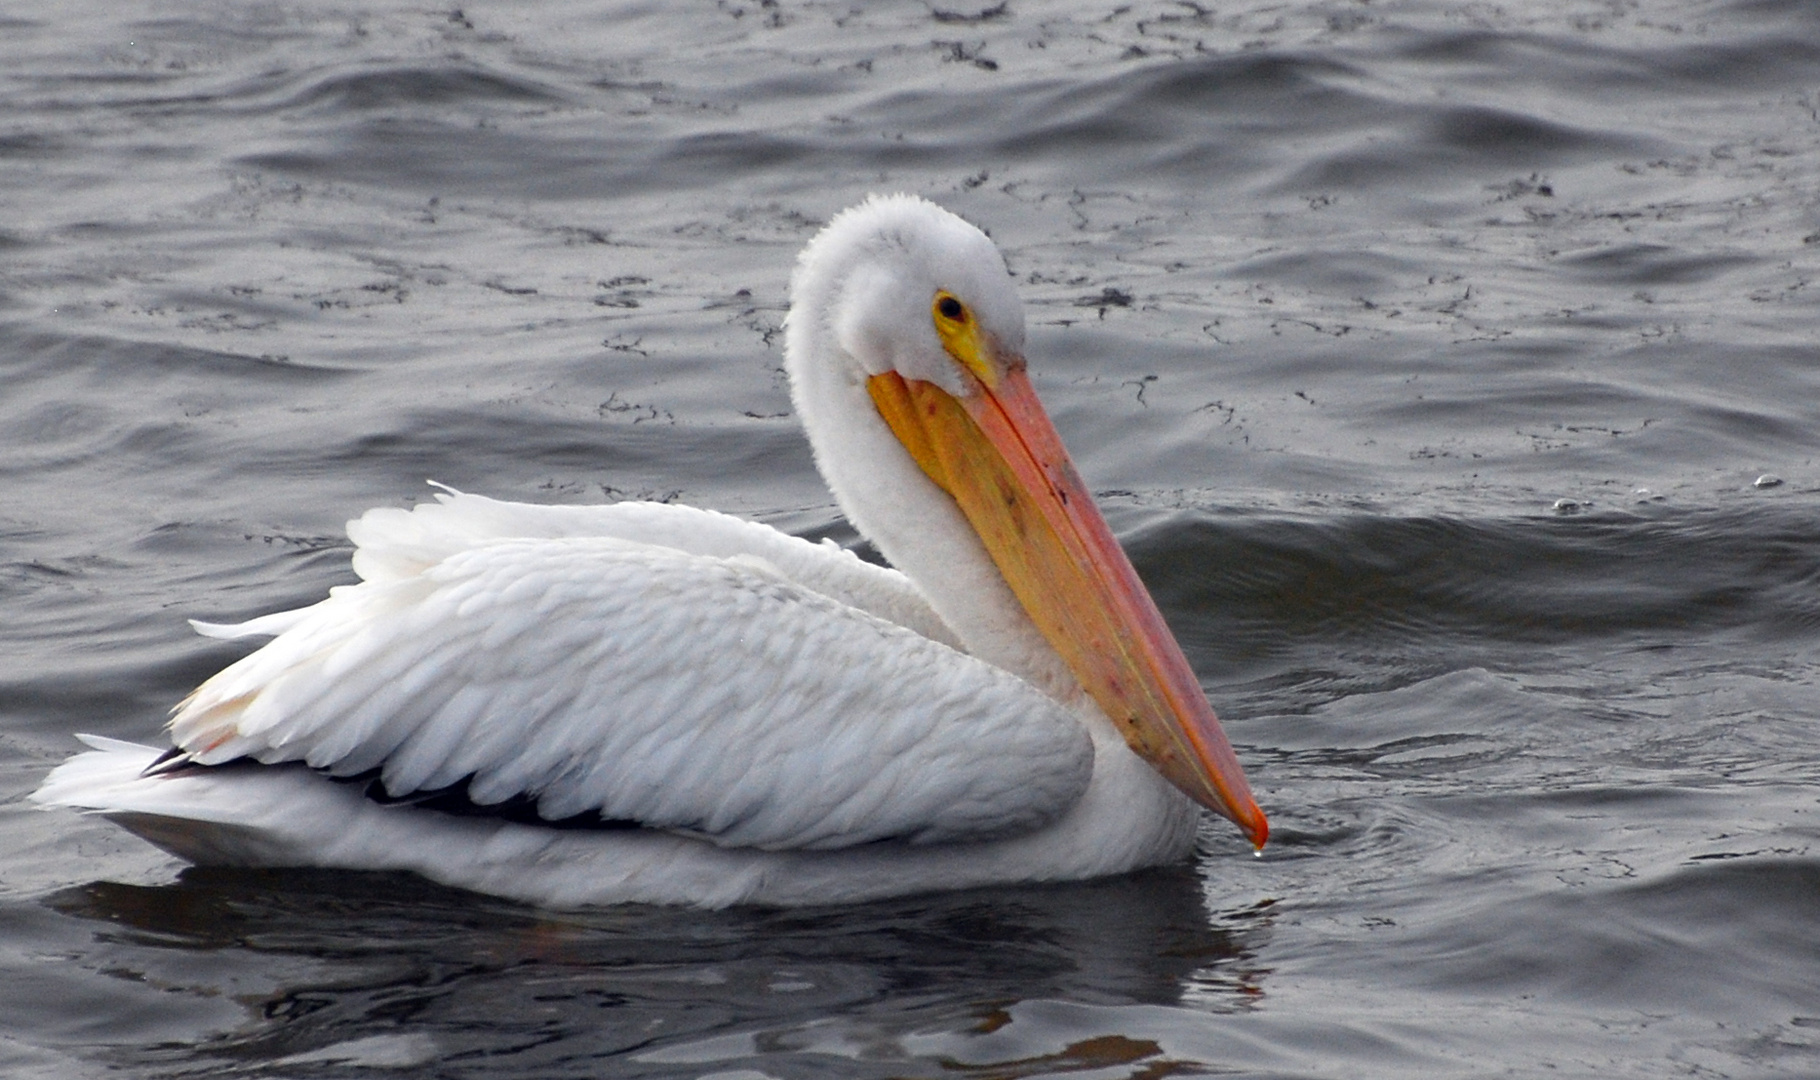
x=734, y=715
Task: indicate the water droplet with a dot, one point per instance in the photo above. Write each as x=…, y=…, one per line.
x=1567, y=506
x=1767, y=480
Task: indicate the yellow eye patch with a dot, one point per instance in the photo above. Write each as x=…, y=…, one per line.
x=962, y=337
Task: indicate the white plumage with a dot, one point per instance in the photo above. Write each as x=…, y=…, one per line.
x=793, y=718
x=761, y=718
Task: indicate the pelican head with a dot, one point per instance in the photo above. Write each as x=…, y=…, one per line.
x=875, y=274
x=905, y=352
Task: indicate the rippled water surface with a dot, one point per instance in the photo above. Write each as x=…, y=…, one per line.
x=1449, y=369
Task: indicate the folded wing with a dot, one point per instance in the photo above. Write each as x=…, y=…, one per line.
x=714, y=694
x=395, y=543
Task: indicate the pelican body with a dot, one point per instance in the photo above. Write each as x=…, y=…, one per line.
x=643, y=702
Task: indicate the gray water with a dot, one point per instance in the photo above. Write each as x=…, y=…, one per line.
x=1426, y=356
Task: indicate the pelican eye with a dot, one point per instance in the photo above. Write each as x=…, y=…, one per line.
x=963, y=338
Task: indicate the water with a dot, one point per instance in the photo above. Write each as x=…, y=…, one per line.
x=1425, y=355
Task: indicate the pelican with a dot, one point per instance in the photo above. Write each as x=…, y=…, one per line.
x=579, y=705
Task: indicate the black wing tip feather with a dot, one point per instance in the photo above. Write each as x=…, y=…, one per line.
x=174, y=760
x=454, y=799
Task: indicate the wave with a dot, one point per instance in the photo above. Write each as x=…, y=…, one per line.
x=1390, y=598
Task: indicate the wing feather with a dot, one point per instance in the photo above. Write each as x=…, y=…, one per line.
x=397, y=544
x=716, y=696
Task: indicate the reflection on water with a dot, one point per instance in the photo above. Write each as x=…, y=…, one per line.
x=339, y=958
